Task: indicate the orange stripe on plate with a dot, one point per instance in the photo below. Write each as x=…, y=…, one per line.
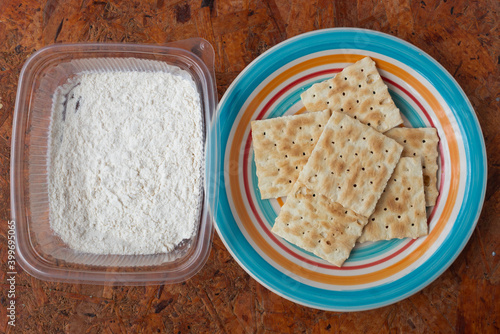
x=301, y=111
x=235, y=152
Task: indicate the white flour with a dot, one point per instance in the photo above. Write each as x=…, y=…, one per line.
x=125, y=162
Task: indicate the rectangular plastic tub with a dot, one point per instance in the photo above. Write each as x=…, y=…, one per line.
x=40, y=251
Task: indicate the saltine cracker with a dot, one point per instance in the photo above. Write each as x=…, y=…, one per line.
x=421, y=142
x=282, y=146
x=359, y=91
x=319, y=225
x=351, y=164
x=400, y=212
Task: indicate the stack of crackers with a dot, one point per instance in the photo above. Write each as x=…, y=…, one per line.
x=349, y=173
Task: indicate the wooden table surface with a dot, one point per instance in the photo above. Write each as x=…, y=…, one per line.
x=461, y=35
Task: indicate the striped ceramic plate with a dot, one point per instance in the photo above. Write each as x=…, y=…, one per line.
x=377, y=273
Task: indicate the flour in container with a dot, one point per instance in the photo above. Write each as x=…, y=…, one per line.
x=125, y=162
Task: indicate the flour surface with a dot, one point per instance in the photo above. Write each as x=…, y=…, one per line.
x=125, y=167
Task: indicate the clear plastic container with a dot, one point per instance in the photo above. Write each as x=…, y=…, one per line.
x=40, y=252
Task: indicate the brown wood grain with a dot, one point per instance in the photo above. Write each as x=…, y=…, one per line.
x=461, y=35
